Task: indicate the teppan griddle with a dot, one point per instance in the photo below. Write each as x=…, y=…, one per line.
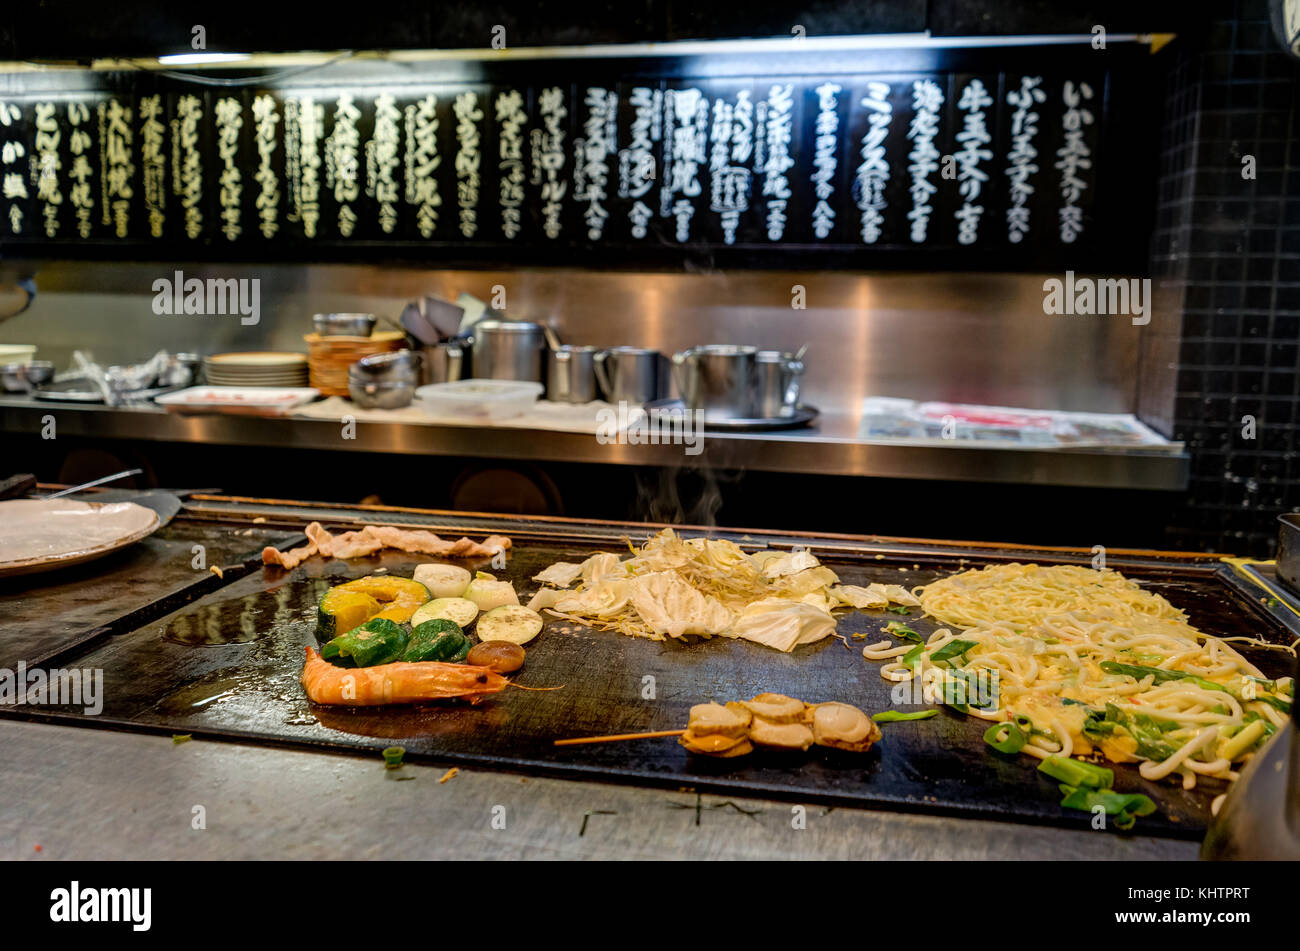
x=227, y=666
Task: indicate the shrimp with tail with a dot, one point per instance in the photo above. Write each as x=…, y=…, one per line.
x=399, y=682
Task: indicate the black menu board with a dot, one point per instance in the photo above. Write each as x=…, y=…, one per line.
x=1004, y=163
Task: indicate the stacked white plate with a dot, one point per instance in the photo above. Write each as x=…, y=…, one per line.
x=256, y=369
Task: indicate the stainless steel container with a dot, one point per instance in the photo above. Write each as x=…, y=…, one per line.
x=445, y=362
x=777, y=386
x=25, y=377
x=381, y=394
x=395, y=365
x=571, y=376
x=632, y=375
x=385, y=380
x=344, y=325
x=509, y=350
x=719, y=379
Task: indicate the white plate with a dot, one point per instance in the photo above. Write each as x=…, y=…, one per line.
x=256, y=360
x=39, y=535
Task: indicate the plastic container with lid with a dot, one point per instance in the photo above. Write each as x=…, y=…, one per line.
x=485, y=399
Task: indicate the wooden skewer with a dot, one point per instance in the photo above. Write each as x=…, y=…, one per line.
x=618, y=736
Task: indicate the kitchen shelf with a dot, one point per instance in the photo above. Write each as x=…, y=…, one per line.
x=831, y=447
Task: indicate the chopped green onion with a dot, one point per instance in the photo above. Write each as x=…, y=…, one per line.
x=1005, y=737
x=393, y=756
x=954, y=648
x=1137, y=672
x=1125, y=807
x=182, y=737
x=1077, y=773
x=897, y=716
x=911, y=657
x=897, y=610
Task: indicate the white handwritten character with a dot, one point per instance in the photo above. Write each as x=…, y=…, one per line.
x=1074, y=158
x=923, y=160
x=1021, y=167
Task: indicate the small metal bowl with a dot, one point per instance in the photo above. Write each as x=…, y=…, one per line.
x=25, y=377
x=380, y=394
x=344, y=325
x=394, y=365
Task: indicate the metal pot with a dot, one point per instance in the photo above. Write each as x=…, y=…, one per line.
x=509, y=350
x=632, y=375
x=572, y=375
x=718, y=379
x=778, y=377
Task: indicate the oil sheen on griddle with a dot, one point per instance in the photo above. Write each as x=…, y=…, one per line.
x=241, y=620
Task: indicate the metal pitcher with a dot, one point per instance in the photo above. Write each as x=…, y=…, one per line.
x=718, y=379
x=445, y=362
x=632, y=375
x=572, y=375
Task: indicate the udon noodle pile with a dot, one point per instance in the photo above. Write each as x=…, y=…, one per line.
x=1087, y=661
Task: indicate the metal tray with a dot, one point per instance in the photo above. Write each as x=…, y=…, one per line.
x=803, y=416
x=157, y=679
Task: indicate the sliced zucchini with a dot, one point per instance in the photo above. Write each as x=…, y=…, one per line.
x=510, y=622
x=460, y=610
x=488, y=593
x=350, y=605
x=443, y=581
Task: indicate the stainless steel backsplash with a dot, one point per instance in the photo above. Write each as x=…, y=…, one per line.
x=962, y=337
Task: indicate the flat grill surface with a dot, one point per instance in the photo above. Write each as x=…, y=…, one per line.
x=228, y=666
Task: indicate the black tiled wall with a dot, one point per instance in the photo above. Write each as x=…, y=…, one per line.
x=1226, y=257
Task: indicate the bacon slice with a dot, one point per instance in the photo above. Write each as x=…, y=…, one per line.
x=373, y=538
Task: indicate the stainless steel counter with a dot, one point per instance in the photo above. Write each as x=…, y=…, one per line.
x=82, y=793
x=829, y=448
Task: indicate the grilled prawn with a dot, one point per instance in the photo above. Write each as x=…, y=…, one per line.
x=395, y=683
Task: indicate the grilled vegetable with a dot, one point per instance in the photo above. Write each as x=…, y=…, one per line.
x=378, y=641
x=1077, y=773
x=488, y=593
x=457, y=610
x=1005, y=737
x=1125, y=807
x=438, y=639
x=898, y=716
x=510, y=622
x=443, y=581
x=349, y=605
x=343, y=610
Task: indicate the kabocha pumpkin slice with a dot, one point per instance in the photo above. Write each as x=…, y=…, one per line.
x=340, y=611
x=350, y=605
